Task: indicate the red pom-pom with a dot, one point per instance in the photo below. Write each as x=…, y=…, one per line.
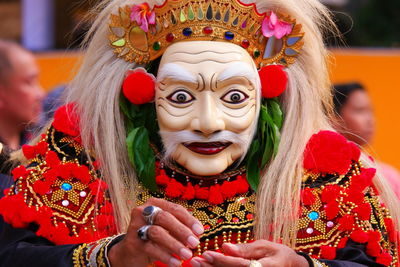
x=41, y=147
x=328, y=252
x=162, y=179
x=342, y=243
x=52, y=159
x=363, y=211
x=228, y=189
x=189, y=192
x=384, y=259
x=346, y=222
x=174, y=189
x=41, y=187
x=139, y=87
x=331, y=210
x=330, y=193
x=242, y=186
x=359, y=236
x=374, y=236
x=29, y=151
x=81, y=173
x=360, y=182
x=373, y=248
x=215, y=196
x=390, y=229
x=19, y=172
x=67, y=121
x=307, y=197
x=201, y=192
x=273, y=80
x=328, y=152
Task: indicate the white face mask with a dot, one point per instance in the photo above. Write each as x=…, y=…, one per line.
x=206, y=104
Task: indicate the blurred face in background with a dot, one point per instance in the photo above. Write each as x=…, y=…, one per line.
x=21, y=95
x=358, y=122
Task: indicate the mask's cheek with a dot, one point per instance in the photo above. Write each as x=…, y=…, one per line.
x=239, y=120
x=171, y=118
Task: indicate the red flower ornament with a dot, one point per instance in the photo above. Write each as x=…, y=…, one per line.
x=273, y=80
x=139, y=86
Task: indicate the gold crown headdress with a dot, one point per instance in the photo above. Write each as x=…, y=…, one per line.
x=140, y=34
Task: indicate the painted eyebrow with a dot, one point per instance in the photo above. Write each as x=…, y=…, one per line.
x=238, y=69
x=175, y=72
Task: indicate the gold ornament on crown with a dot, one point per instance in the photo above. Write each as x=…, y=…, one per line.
x=202, y=20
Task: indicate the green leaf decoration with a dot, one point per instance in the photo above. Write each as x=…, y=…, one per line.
x=142, y=156
x=266, y=142
x=142, y=131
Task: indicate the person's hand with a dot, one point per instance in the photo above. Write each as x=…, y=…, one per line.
x=268, y=254
x=173, y=230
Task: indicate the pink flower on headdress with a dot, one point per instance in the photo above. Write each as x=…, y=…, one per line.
x=272, y=26
x=143, y=16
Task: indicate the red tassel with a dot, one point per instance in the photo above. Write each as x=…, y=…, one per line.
x=273, y=80
x=363, y=211
x=174, y=189
x=384, y=259
x=374, y=236
x=307, y=197
x=328, y=252
x=41, y=148
x=359, y=236
x=346, y=222
x=332, y=210
x=215, y=196
x=373, y=249
x=390, y=229
x=189, y=192
x=330, y=193
x=139, y=87
x=342, y=243
x=201, y=192
x=81, y=173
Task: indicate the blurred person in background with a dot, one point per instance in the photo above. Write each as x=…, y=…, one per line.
x=356, y=122
x=20, y=94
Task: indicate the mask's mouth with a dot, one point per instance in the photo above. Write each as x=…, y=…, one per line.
x=209, y=148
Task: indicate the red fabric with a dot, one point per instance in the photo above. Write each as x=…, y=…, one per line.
x=329, y=152
x=273, y=80
x=307, y=197
x=139, y=88
x=328, y=252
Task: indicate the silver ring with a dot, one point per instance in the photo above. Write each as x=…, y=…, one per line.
x=149, y=214
x=142, y=232
x=254, y=263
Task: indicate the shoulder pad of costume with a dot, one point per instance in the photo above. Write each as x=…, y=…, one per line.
x=60, y=191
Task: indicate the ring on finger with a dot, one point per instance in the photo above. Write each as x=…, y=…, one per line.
x=149, y=213
x=142, y=232
x=254, y=263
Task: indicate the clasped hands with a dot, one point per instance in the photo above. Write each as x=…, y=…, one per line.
x=173, y=230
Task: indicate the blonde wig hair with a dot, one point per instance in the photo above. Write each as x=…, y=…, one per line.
x=306, y=104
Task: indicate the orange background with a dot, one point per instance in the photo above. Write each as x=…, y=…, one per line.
x=378, y=70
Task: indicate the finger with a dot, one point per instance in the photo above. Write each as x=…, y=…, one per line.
x=180, y=213
x=176, y=228
x=156, y=253
x=255, y=250
x=217, y=259
x=162, y=238
x=199, y=262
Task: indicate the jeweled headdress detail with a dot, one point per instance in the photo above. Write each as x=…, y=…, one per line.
x=141, y=34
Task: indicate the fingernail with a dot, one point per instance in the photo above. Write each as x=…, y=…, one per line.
x=193, y=241
x=195, y=263
x=208, y=257
x=174, y=262
x=185, y=253
x=198, y=229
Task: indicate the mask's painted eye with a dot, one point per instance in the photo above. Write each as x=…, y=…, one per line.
x=234, y=97
x=181, y=97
